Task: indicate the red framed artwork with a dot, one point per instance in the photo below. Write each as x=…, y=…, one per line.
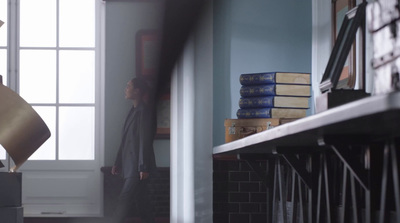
x=163, y=117
x=147, y=52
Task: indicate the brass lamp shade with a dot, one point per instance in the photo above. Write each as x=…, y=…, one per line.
x=22, y=131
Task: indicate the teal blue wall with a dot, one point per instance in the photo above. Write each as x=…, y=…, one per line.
x=256, y=36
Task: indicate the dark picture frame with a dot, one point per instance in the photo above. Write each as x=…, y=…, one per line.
x=147, y=52
x=163, y=117
x=347, y=77
x=345, y=39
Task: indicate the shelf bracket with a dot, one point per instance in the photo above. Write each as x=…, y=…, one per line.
x=300, y=167
x=342, y=151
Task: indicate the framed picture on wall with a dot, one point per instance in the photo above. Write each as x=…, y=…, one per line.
x=147, y=52
x=163, y=117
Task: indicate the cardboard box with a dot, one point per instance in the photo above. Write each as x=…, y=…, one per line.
x=239, y=128
x=12, y=214
x=10, y=189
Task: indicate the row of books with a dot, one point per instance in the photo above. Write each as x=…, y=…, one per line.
x=274, y=95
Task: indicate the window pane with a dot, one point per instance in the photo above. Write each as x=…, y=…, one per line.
x=3, y=41
x=76, y=133
x=3, y=17
x=2, y=153
x=3, y=65
x=77, y=23
x=37, y=76
x=48, y=150
x=38, y=23
x=77, y=76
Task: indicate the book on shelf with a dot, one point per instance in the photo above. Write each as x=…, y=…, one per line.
x=275, y=89
x=271, y=113
x=274, y=101
x=275, y=78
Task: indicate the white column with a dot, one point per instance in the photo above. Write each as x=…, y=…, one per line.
x=182, y=143
x=191, y=129
x=321, y=43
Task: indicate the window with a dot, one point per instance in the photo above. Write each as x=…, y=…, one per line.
x=3, y=54
x=50, y=53
x=55, y=67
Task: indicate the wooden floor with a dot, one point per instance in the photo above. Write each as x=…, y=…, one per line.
x=64, y=220
x=85, y=220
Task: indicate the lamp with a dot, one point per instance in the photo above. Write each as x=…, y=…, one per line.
x=22, y=131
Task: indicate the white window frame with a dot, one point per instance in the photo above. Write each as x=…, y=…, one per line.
x=90, y=169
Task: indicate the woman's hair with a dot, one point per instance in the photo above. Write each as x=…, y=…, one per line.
x=141, y=83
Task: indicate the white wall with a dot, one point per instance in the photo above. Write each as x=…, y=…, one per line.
x=123, y=20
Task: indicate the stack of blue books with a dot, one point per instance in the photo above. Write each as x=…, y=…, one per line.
x=274, y=95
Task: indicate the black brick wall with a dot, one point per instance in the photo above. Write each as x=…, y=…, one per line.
x=239, y=194
x=158, y=189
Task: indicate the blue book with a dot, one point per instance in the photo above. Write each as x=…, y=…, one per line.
x=271, y=113
x=275, y=78
x=275, y=89
x=274, y=101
